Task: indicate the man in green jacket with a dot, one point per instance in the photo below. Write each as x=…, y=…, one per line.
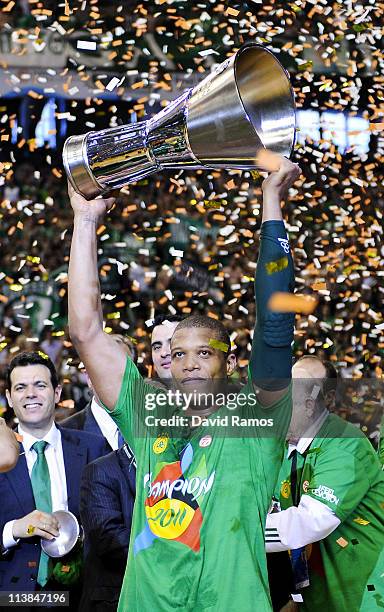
x=331, y=494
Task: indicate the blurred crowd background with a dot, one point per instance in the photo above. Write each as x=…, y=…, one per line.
x=187, y=241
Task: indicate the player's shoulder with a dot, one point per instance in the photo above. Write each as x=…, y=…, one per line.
x=343, y=437
x=134, y=375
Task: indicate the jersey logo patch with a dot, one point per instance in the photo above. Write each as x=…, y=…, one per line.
x=284, y=244
x=160, y=444
x=326, y=493
x=205, y=441
x=285, y=489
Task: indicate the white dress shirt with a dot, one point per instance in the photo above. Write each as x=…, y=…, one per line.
x=55, y=460
x=106, y=423
x=308, y=522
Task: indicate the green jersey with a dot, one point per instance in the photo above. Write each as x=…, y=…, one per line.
x=341, y=469
x=380, y=449
x=197, y=539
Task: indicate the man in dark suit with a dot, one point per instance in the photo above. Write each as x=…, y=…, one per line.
x=45, y=479
x=106, y=506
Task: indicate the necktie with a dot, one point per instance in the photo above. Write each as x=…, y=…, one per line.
x=294, y=492
x=41, y=486
x=120, y=439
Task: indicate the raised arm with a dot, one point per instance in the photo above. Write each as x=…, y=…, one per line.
x=104, y=359
x=271, y=357
x=9, y=448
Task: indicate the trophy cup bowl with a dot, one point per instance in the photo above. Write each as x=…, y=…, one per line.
x=69, y=533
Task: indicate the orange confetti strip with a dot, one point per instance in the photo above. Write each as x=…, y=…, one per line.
x=288, y=302
x=41, y=12
x=376, y=127
x=9, y=7
x=68, y=404
x=35, y=95
x=232, y=11
x=213, y=315
x=319, y=286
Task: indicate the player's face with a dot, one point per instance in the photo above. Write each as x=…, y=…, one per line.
x=161, y=348
x=195, y=363
x=32, y=395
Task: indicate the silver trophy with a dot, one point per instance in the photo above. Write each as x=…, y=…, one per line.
x=70, y=533
x=246, y=104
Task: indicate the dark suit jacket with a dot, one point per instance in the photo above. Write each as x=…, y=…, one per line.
x=106, y=506
x=19, y=566
x=84, y=421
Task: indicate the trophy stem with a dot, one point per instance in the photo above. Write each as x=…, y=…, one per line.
x=102, y=161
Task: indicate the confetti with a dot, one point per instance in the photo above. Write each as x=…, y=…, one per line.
x=217, y=344
x=342, y=542
x=276, y=266
x=88, y=45
x=112, y=84
x=8, y=7
x=231, y=11
x=288, y=302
